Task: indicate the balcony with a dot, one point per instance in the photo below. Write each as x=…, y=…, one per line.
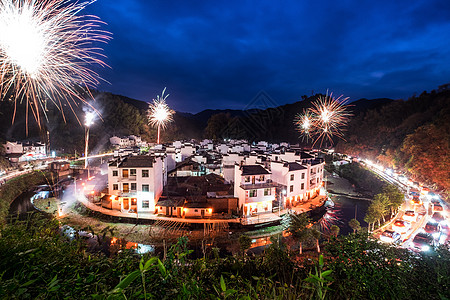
x=129, y=178
x=262, y=185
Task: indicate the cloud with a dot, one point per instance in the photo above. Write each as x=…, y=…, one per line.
x=221, y=54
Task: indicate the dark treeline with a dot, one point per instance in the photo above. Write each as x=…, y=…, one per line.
x=413, y=135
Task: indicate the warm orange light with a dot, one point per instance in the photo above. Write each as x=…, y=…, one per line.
x=113, y=198
x=210, y=210
x=92, y=192
x=185, y=209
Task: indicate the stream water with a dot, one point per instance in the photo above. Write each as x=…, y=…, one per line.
x=344, y=210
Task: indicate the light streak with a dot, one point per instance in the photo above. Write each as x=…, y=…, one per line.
x=46, y=53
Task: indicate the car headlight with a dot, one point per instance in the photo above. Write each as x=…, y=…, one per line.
x=425, y=248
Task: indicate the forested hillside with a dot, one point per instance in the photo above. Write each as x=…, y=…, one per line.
x=413, y=135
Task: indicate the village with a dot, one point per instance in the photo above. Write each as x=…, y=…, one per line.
x=232, y=181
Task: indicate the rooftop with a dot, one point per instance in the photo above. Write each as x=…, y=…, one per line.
x=138, y=161
x=254, y=170
x=293, y=166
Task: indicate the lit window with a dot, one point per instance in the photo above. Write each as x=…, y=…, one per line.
x=291, y=188
x=146, y=204
x=253, y=193
x=292, y=177
x=145, y=173
x=145, y=188
x=115, y=173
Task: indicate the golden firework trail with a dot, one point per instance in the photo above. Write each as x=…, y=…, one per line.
x=325, y=120
x=46, y=53
x=159, y=113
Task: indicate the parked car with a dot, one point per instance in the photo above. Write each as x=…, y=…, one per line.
x=416, y=201
x=401, y=226
x=433, y=228
x=410, y=216
x=390, y=236
x=438, y=217
x=422, y=242
x=437, y=207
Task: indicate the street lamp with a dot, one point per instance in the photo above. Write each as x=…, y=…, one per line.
x=88, y=121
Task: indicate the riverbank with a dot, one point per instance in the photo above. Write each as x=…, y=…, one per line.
x=349, y=202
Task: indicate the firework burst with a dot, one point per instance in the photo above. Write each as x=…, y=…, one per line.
x=325, y=120
x=305, y=124
x=159, y=113
x=46, y=51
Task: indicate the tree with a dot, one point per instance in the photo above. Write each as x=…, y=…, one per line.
x=244, y=243
x=395, y=197
x=334, y=230
x=217, y=126
x=302, y=230
x=355, y=225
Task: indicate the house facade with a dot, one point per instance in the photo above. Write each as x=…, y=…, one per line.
x=254, y=188
x=135, y=183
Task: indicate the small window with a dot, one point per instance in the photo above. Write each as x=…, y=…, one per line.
x=303, y=175
x=267, y=192
x=145, y=203
x=196, y=210
x=292, y=177
x=291, y=188
x=115, y=173
x=261, y=178
x=253, y=193
x=133, y=186
x=145, y=188
x=247, y=178
x=145, y=173
x=115, y=187
x=303, y=186
x=132, y=172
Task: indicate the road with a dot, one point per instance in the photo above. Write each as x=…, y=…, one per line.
x=421, y=210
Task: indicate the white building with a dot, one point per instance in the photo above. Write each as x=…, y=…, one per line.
x=136, y=183
x=254, y=188
x=129, y=141
x=28, y=150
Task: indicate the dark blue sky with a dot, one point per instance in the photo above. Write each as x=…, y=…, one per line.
x=220, y=54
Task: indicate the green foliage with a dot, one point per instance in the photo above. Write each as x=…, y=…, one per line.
x=320, y=280
x=366, y=269
x=300, y=227
x=244, y=243
x=361, y=177
x=38, y=263
x=412, y=135
x=15, y=187
x=355, y=225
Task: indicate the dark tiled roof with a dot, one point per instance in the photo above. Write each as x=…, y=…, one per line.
x=254, y=170
x=197, y=205
x=138, y=161
x=293, y=166
x=304, y=155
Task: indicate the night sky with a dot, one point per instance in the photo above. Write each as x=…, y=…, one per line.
x=221, y=54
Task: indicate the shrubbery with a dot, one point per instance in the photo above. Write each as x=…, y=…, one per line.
x=15, y=187
x=37, y=262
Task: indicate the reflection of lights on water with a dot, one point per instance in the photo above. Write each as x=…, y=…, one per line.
x=142, y=249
